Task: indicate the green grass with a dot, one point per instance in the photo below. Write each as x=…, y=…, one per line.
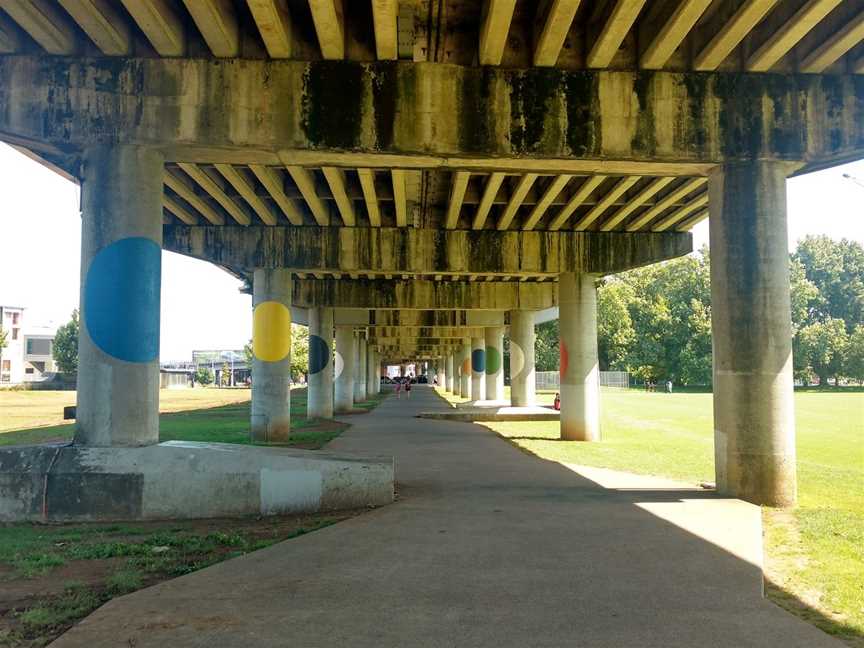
x=225, y=424
x=671, y=435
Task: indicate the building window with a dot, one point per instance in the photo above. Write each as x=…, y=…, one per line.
x=7, y=365
x=28, y=370
x=15, y=319
x=15, y=333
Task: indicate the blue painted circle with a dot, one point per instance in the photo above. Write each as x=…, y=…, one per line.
x=478, y=360
x=121, y=299
x=319, y=354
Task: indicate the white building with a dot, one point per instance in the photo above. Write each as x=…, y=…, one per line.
x=27, y=356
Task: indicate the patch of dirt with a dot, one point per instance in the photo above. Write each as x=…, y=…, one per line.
x=19, y=593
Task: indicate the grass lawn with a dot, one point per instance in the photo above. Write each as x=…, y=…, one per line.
x=211, y=415
x=816, y=552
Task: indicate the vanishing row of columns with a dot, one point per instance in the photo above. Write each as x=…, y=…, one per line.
x=118, y=375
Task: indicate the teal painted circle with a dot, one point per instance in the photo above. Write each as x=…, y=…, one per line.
x=493, y=360
x=319, y=354
x=121, y=299
x=478, y=360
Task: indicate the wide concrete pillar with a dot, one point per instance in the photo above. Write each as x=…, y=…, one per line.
x=121, y=262
x=441, y=369
x=465, y=377
x=494, y=362
x=478, y=368
x=579, y=367
x=372, y=379
x=344, y=369
x=360, y=369
x=522, y=379
x=271, y=355
x=449, y=368
x=319, y=389
x=754, y=425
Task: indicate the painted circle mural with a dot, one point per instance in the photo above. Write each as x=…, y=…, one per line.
x=121, y=299
x=466, y=367
x=493, y=360
x=478, y=360
x=319, y=354
x=271, y=331
x=338, y=364
x=517, y=359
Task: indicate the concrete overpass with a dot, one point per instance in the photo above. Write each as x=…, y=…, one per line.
x=430, y=166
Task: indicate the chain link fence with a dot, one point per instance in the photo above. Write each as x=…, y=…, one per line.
x=551, y=379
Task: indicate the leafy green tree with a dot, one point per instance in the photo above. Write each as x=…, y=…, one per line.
x=822, y=346
x=615, y=331
x=853, y=365
x=546, y=356
x=65, y=347
x=203, y=376
x=225, y=375
x=3, y=341
x=836, y=269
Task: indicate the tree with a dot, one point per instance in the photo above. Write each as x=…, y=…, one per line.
x=203, y=376
x=822, y=346
x=225, y=375
x=615, y=332
x=836, y=269
x=853, y=367
x=3, y=341
x=546, y=346
x=65, y=347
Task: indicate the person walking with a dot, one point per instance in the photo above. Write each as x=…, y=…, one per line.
x=668, y=386
x=399, y=388
x=408, y=388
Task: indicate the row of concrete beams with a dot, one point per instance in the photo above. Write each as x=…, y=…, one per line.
x=52, y=24
x=196, y=195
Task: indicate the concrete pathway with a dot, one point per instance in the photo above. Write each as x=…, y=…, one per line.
x=487, y=546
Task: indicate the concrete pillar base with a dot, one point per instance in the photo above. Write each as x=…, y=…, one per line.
x=177, y=479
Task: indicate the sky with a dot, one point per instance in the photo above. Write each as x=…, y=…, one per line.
x=202, y=308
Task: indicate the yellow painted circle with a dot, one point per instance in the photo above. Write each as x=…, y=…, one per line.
x=271, y=331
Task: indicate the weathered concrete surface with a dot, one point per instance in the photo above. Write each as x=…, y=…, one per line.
x=522, y=365
x=319, y=389
x=751, y=324
x=400, y=250
x=207, y=110
x=180, y=479
x=118, y=345
x=344, y=369
x=482, y=412
x=504, y=550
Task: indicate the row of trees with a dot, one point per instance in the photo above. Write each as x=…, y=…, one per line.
x=655, y=322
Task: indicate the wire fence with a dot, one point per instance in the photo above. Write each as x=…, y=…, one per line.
x=552, y=379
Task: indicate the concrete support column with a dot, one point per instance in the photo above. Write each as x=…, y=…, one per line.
x=360, y=369
x=478, y=368
x=121, y=269
x=494, y=362
x=522, y=379
x=465, y=377
x=449, y=368
x=580, y=374
x=271, y=355
x=319, y=390
x=372, y=379
x=344, y=368
x=441, y=369
x=754, y=425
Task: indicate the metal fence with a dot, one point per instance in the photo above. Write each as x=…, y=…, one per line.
x=552, y=380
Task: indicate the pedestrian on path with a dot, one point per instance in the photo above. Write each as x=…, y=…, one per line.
x=408, y=388
x=399, y=388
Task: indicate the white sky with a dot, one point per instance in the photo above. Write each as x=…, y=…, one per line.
x=40, y=253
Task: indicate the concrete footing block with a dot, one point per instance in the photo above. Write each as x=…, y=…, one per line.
x=179, y=479
x=487, y=413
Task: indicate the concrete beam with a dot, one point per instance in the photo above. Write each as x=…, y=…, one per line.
x=209, y=185
x=622, y=187
x=835, y=46
x=336, y=179
x=242, y=187
x=367, y=183
x=273, y=184
x=101, y=22
x=495, y=26
x=789, y=34
x=44, y=22
x=490, y=191
x=160, y=24
x=555, y=26
x=672, y=33
x=10, y=40
x=384, y=20
x=397, y=251
x=305, y=182
x=274, y=25
x=457, y=193
x=330, y=27
x=585, y=190
x=749, y=14
x=424, y=295
x=516, y=199
x=637, y=201
x=217, y=23
x=687, y=188
x=542, y=205
x=399, y=197
x=549, y=121
x=614, y=31
x=181, y=189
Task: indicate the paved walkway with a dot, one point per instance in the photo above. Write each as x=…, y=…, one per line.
x=487, y=546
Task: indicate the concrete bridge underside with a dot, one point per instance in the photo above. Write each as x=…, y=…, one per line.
x=419, y=179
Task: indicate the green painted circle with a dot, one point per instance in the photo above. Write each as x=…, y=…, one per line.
x=493, y=360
